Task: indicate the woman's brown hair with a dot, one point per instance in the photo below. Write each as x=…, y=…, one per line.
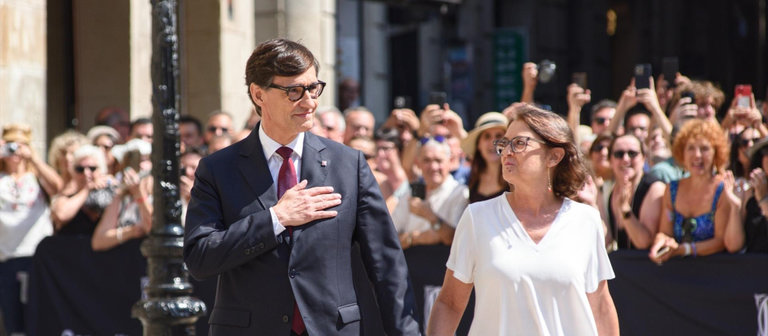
x=570, y=173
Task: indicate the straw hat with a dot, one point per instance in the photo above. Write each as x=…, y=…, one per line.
x=17, y=133
x=486, y=121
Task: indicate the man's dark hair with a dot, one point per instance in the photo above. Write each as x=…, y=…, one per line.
x=195, y=150
x=188, y=119
x=389, y=135
x=635, y=110
x=277, y=57
x=140, y=121
x=605, y=103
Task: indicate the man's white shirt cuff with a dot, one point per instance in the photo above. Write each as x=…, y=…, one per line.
x=276, y=226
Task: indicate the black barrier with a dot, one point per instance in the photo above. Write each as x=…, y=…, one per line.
x=426, y=267
x=720, y=294
x=76, y=291
x=91, y=293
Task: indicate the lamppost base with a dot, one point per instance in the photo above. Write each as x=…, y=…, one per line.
x=169, y=316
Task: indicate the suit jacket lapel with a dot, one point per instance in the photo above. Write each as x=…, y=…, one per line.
x=255, y=170
x=314, y=165
x=314, y=169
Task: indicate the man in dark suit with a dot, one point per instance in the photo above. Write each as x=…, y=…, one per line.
x=276, y=215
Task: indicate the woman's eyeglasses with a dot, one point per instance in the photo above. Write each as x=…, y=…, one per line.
x=517, y=144
x=619, y=154
x=81, y=169
x=295, y=92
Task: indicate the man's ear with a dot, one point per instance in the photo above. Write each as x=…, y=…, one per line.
x=256, y=93
x=556, y=155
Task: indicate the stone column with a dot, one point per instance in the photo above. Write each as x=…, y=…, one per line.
x=23, y=66
x=311, y=22
x=217, y=38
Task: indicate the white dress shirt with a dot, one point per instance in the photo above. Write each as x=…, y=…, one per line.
x=274, y=161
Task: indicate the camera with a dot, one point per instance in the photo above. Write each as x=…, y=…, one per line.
x=9, y=149
x=547, y=70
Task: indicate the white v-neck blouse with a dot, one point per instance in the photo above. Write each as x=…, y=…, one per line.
x=523, y=288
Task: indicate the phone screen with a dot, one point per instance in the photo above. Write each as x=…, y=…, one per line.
x=643, y=76
x=580, y=79
x=743, y=94
x=670, y=68
x=438, y=98
x=419, y=189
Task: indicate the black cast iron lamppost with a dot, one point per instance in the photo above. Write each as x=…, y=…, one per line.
x=169, y=309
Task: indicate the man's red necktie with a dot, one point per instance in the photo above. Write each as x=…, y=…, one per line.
x=286, y=179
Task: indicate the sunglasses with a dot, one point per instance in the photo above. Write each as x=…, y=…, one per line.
x=746, y=142
x=599, y=148
x=438, y=138
x=295, y=92
x=81, y=169
x=619, y=154
x=213, y=129
x=689, y=226
x=601, y=120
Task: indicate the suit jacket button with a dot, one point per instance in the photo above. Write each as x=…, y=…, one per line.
x=261, y=245
x=292, y=273
x=285, y=318
x=247, y=251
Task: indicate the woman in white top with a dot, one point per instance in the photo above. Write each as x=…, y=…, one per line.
x=536, y=259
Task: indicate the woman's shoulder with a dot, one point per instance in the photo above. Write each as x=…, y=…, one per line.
x=575, y=209
x=488, y=205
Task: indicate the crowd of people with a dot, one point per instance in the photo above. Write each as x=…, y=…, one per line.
x=96, y=184
x=663, y=171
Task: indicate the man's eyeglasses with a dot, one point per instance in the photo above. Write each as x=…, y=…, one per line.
x=619, y=154
x=746, y=142
x=295, y=92
x=213, y=129
x=637, y=128
x=81, y=169
x=517, y=144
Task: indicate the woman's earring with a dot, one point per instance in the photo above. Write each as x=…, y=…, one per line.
x=549, y=182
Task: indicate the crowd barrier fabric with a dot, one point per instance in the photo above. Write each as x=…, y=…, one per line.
x=76, y=291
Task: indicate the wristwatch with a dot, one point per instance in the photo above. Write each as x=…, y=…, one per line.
x=437, y=224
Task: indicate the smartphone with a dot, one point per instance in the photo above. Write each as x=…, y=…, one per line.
x=670, y=68
x=419, y=189
x=662, y=251
x=689, y=94
x=437, y=97
x=580, y=79
x=643, y=76
x=402, y=102
x=743, y=94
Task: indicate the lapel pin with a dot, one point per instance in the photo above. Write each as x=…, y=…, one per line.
x=323, y=163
